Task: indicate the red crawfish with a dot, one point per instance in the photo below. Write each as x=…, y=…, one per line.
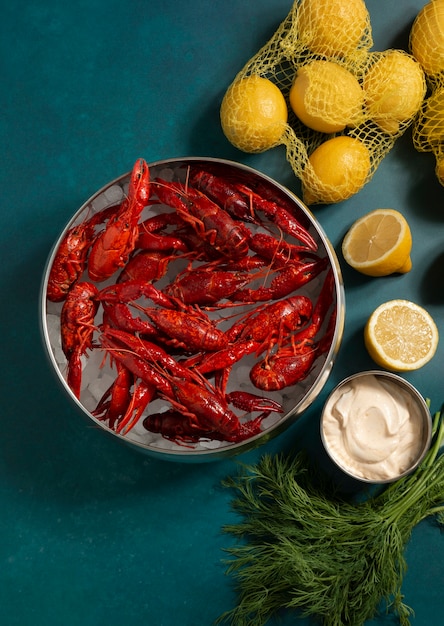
x=207, y=286
x=119, y=315
x=287, y=279
x=279, y=252
x=254, y=333
x=187, y=391
x=151, y=238
x=207, y=411
x=77, y=328
x=273, y=321
x=145, y=266
x=132, y=290
x=113, y=246
x=176, y=426
x=114, y=402
x=242, y=202
x=191, y=331
x=210, y=222
x=293, y=362
x=225, y=194
x=70, y=260
x=149, y=365
x=122, y=407
x=135, y=349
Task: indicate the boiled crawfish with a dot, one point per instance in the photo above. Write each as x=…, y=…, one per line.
x=77, y=328
x=293, y=362
x=199, y=402
x=210, y=222
x=170, y=347
x=177, y=426
x=70, y=259
x=113, y=246
x=243, y=203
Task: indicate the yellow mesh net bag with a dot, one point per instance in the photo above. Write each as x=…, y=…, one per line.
x=427, y=46
x=333, y=86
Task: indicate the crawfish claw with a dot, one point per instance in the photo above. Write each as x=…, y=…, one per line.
x=250, y=402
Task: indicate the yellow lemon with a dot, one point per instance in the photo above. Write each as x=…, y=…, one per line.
x=427, y=37
x=326, y=97
x=428, y=131
x=253, y=114
x=401, y=336
x=395, y=88
x=336, y=170
x=332, y=27
x=430, y=126
x=379, y=243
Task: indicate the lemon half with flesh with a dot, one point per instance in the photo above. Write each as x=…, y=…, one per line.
x=401, y=336
x=379, y=243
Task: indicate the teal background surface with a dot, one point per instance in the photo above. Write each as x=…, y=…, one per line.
x=93, y=533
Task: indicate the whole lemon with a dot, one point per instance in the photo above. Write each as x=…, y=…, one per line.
x=253, y=114
x=429, y=130
x=394, y=87
x=427, y=37
x=332, y=27
x=336, y=170
x=326, y=96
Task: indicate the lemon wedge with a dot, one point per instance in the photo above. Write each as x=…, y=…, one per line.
x=401, y=336
x=379, y=243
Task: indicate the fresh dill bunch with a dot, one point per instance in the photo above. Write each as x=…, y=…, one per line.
x=302, y=547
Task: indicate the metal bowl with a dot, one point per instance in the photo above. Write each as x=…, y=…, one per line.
x=376, y=427
x=295, y=399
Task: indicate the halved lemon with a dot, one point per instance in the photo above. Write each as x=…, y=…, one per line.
x=379, y=243
x=401, y=336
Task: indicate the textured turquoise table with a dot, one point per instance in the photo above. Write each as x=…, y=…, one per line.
x=93, y=533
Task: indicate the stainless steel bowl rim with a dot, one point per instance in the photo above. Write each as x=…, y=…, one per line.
x=307, y=400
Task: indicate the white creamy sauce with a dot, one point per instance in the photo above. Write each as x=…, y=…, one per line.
x=373, y=428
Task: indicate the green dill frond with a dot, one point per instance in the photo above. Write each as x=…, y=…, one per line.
x=299, y=546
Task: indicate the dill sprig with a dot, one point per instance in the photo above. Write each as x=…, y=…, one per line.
x=303, y=547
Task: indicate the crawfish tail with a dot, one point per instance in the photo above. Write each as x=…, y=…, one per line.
x=205, y=287
x=136, y=364
x=189, y=331
x=279, y=215
x=150, y=352
x=283, y=369
x=225, y=194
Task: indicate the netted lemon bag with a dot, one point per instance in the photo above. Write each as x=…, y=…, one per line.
x=345, y=105
x=427, y=46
